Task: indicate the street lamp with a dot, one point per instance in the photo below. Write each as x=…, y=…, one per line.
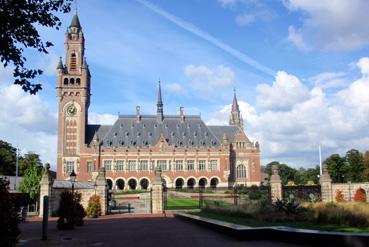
x=72, y=177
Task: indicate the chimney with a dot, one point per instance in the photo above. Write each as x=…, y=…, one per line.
x=181, y=113
x=138, y=113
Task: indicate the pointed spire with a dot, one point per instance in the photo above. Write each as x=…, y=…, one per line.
x=75, y=21
x=235, y=102
x=60, y=64
x=84, y=65
x=159, y=105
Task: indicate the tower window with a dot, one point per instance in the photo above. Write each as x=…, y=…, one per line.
x=65, y=81
x=73, y=61
x=78, y=81
x=71, y=81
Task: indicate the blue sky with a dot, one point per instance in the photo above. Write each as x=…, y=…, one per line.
x=299, y=68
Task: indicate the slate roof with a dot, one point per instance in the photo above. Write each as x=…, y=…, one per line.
x=66, y=184
x=75, y=21
x=128, y=132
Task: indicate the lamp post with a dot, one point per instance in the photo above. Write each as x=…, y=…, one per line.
x=72, y=177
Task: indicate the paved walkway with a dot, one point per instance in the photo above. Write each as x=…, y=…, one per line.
x=140, y=230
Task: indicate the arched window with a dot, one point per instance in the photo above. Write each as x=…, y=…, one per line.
x=191, y=183
x=65, y=81
x=120, y=184
x=110, y=183
x=132, y=184
x=179, y=183
x=213, y=183
x=202, y=183
x=78, y=81
x=73, y=61
x=144, y=183
x=71, y=81
x=241, y=171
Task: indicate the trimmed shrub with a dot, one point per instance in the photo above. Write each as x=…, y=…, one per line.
x=94, y=206
x=360, y=195
x=65, y=211
x=339, y=196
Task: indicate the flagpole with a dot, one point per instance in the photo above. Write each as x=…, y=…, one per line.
x=320, y=159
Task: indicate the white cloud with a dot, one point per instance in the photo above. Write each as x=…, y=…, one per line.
x=286, y=91
x=329, y=79
x=208, y=80
x=339, y=121
x=245, y=19
x=48, y=63
x=330, y=24
x=175, y=88
x=104, y=119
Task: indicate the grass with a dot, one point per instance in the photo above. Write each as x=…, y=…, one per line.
x=304, y=225
x=130, y=192
x=182, y=202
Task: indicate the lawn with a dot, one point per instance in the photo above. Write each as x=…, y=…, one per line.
x=303, y=225
x=184, y=202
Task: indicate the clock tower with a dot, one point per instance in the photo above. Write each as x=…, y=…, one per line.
x=73, y=97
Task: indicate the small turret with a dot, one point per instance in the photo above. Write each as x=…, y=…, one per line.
x=159, y=105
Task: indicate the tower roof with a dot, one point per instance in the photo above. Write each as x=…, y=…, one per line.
x=235, y=102
x=75, y=21
x=159, y=105
x=60, y=64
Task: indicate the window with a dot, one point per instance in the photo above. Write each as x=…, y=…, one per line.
x=144, y=165
x=178, y=165
x=131, y=165
x=162, y=164
x=202, y=165
x=69, y=166
x=107, y=165
x=190, y=165
x=213, y=165
x=119, y=165
x=241, y=171
x=90, y=166
x=73, y=61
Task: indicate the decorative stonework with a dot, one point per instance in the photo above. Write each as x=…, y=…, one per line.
x=157, y=192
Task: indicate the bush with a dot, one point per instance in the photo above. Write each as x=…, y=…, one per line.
x=339, y=214
x=339, y=196
x=79, y=211
x=94, y=206
x=65, y=211
x=9, y=219
x=360, y=195
x=254, y=193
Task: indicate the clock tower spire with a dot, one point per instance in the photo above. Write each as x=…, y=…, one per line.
x=73, y=96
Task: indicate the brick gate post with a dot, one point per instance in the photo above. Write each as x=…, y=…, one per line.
x=275, y=185
x=45, y=189
x=102, y=190
x=326, y=185
x=157, y=193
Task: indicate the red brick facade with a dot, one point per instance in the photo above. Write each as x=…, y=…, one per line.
x=190, y=153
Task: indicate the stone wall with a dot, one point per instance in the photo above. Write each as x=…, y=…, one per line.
x=53, y=189
x=349, y=189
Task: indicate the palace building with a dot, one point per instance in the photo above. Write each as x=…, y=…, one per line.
x=190, y=153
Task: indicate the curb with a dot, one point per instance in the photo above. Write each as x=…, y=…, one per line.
x=282, y=233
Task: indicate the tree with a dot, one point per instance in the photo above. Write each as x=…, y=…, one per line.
x=29, y=159
x=9, y=219
x=337, y=168
x=355, y=163
x=286, y=173
x=366, y=167
x=31, y=182
x=19, y=20
x=7, y=158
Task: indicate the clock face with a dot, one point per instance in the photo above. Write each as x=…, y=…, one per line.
x=71, y=110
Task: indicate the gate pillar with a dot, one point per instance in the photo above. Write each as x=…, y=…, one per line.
x=275, y=185
x=157, y=192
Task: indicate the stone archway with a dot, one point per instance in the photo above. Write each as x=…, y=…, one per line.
x=179, y=183
x=191, y=183
x=144, y=183
x=214, y=183
x=110, y=183
x=202, y=183
x=119, y=184
x=132, y=184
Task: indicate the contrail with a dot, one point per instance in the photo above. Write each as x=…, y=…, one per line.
x=198, y=32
